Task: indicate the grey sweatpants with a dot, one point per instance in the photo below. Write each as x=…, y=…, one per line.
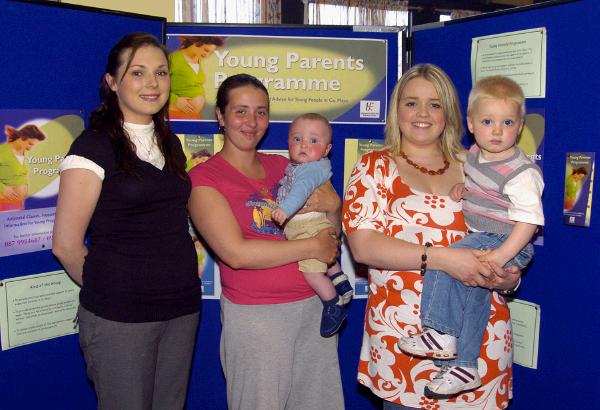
x=274, y=358
x=138, y=366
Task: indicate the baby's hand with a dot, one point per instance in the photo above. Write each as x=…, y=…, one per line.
x=457, y=192
x=279, y=215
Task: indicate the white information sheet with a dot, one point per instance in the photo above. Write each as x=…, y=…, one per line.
x=520, y=55
x=37, y=307
x=525, y=319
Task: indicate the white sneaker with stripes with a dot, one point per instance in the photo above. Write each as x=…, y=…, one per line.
x=452, y=380
x=429, y=343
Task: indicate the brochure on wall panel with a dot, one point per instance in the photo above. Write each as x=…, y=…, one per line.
x=32, y=144
x=520, y=55
x=344, y=79
x=197, y=149
x=525, y=320
x=354, y=148
x=37, y=307
x=207, y=267
x=579, y=183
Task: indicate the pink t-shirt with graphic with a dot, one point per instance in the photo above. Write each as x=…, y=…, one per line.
x=251, y=201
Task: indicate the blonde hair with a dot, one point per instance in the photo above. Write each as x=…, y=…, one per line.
x=497, y=87
x=453, y=131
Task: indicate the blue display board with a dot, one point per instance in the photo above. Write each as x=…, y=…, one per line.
x=563, y=278
x=53, y=56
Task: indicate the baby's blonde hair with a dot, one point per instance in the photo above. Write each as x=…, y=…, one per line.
x=497, y=87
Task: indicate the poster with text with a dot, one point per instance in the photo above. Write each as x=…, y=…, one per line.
x=344, y=79
x=525, y=318
x=37, y=307
x=354, y=148
x=520, y=55
x=579, y=183
x=32, y=144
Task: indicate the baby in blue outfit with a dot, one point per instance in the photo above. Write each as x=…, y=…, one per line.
x=309, y=142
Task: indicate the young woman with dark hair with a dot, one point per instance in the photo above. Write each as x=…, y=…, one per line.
x=272, y=353
x=123, y=182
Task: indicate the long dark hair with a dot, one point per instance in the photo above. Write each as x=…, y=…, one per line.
x=108, y=117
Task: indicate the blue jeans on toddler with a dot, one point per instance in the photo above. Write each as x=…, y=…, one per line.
x=462, y=311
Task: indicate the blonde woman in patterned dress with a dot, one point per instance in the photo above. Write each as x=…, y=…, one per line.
x=396, y=202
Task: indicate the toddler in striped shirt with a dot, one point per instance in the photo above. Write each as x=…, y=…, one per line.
x=502, y=208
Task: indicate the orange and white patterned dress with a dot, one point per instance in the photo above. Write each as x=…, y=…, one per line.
x=376, y=198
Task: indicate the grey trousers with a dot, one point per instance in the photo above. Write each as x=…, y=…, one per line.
x=138, y=366
x=274, y=358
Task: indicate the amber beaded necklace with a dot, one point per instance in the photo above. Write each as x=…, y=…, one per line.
x=426, y=170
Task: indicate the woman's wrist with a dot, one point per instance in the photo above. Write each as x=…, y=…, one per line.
x=436, y=258
x=424, y=258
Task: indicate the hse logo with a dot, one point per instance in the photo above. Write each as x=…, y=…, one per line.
x=369, y=109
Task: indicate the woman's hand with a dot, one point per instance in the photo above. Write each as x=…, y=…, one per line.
x=464, y=265
x=327, y=246
x=323, y=199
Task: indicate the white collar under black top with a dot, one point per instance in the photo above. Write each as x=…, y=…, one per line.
x=142, y=136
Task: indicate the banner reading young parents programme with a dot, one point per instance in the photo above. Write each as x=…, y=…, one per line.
x=345, y=79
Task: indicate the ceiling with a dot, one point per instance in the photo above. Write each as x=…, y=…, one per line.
x=476, y=5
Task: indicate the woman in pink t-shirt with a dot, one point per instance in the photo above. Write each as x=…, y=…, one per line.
x=272, y=353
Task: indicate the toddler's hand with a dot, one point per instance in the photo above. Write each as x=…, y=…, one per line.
x=279, y=215
x=457, y=192
x=493, y=258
